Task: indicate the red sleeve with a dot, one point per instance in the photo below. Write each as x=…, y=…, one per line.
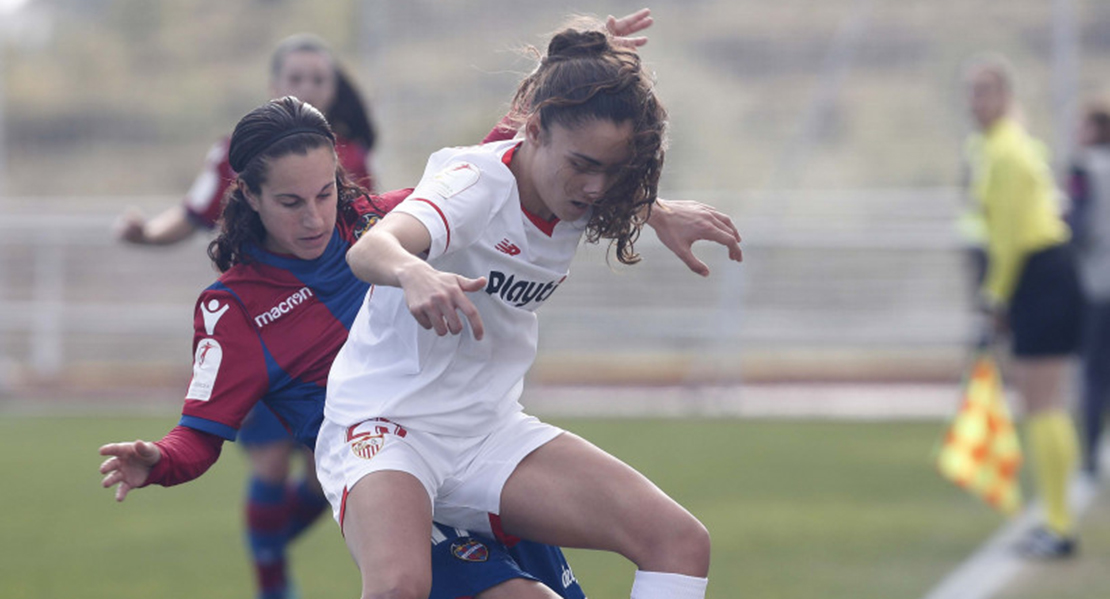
x=186, y=454
x=387, y=201
x=204, y=201
x=503, y=130
x=366, y=211
x=229, y=365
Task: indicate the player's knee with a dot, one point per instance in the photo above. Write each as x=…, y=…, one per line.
x=270, y=462
x=699, y=547
x=678, y=543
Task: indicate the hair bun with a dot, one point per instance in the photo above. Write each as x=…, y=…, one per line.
x=573, y=43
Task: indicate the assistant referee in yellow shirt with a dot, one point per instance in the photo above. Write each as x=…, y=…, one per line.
x=1032, y=288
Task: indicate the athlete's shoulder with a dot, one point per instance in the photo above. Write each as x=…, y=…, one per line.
x=487, y=154
x=362, y=213
x=253, y=287
x=452, y=171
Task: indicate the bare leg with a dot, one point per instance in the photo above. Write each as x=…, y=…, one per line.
x=270, y=461
x=387, y=526
x=571, y=493
x=1041, y=383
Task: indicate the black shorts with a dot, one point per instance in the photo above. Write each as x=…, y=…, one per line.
x=1046, y=313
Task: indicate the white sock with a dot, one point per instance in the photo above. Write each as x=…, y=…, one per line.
x=664, y=585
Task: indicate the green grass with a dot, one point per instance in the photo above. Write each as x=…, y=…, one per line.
x=796, y=509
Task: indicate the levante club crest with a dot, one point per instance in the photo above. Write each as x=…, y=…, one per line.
x=470, y=550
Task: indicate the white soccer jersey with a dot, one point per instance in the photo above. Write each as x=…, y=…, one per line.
x=393, y=368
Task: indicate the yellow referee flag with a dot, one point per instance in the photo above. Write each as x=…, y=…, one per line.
x=980, y=451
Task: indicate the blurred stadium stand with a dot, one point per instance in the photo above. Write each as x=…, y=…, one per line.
x=856, y=105
x=867, y=284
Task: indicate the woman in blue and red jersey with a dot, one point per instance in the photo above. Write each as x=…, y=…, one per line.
x=277, y=510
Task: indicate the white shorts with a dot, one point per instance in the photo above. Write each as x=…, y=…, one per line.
x=462, y=475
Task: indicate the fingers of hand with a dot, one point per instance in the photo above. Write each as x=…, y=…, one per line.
x=113, y=477
x=475, y=319
x=446, y=307
x=727, y=224
x=637, y=21
x=472, y=285
x=691, y=261
x=635, y=42
x=724, y=232
x=436, y=318
x=109, y=465
x=422, y=318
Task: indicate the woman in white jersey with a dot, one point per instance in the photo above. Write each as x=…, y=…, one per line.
x=418, y=420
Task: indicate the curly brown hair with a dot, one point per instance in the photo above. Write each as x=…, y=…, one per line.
x=271, y=131
x=584, y=76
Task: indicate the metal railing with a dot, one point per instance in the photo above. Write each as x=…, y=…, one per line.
x=872, y=268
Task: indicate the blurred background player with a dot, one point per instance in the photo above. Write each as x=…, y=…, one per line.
x=1031, y=288
x=277, y=510
x=1089, y=218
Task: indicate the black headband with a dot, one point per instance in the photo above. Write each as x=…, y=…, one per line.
x=282, y=135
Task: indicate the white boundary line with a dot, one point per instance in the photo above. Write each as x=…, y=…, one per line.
x=996, y=562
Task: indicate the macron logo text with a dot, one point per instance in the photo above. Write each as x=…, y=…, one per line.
x=283, y=308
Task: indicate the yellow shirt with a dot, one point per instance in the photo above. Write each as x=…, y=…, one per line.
x=1012, y=182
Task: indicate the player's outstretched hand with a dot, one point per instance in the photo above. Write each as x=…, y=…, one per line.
x=435, y=299
x=680, y=223
x=129, y=226
x=129, y=465
x=623, y=28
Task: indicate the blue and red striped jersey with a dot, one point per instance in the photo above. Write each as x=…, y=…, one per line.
x=269, y=328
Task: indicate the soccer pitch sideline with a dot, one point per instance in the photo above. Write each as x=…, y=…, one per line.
x=796, y=509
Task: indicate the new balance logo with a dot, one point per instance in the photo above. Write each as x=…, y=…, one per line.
x=508, y=247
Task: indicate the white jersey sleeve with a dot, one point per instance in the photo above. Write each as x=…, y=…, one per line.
x=461, y=191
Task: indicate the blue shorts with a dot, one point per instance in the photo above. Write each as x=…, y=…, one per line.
x=262, y=427
x=465, y=565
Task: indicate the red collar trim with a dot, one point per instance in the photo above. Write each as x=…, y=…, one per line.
x=507, y=157
x=547, y=226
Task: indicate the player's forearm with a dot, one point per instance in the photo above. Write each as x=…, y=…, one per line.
x=186, y=454
x=381, y=260
x=169, y=227
x=390, y=251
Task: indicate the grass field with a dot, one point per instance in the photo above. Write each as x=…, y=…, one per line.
x=795, y=508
